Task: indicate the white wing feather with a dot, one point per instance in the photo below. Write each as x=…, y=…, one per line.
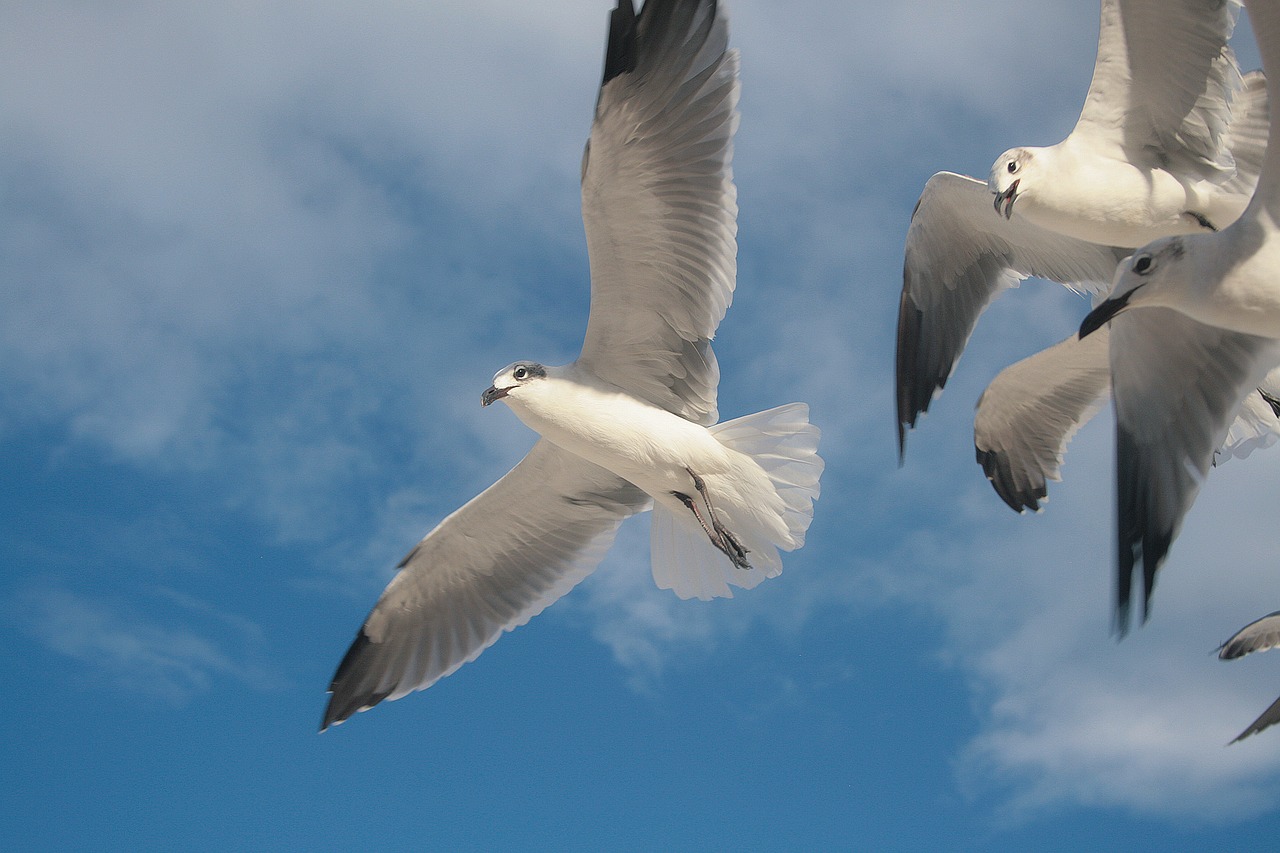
x=1163, y=82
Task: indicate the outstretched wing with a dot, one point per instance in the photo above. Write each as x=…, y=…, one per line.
x=960, y=255
x=1032, y=409
x=1177, y=385
x=489, y=567
x=659, y=204
x=1269, y=718
x=1163, y=83
x=1259, y=635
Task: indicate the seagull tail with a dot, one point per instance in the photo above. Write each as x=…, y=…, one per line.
x=766, y=512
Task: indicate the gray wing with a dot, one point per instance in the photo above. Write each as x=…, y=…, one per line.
x=659, y=204
x=960, y=255
x=1177, y=385
x=1163, y=82
x=1269, y=717
x=1031, y=410
x=1258, y=636
x=489, y=567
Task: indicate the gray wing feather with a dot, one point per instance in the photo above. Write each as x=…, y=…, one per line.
x=1031, y=410
x=1258, y=636
x=659, y=204
x=960, y=255
x=1177, y=385
x=489, y=567
x=1269, y=717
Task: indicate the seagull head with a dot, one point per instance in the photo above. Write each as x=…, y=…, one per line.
x=1006, y=176
x=1157, y=263
x=511, y=377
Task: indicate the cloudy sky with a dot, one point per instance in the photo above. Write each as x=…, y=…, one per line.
x=257, y=262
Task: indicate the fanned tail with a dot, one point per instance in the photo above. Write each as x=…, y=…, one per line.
x=768, y=510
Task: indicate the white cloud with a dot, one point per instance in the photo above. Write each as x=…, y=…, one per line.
x=164, y=658
x=1067, y=715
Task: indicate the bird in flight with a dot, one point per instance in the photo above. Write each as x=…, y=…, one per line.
x=631, y=425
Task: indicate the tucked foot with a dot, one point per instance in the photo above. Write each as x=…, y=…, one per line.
x=732, y=547
x=720, y=535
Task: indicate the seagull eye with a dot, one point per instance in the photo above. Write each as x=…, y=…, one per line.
x=520, y=373
x=1142, y=264
x=1013, y=166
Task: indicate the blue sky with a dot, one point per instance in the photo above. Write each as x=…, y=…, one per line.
x=257, y=262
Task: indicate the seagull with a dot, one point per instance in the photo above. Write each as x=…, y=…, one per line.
x=631, y=425
x=1176, y=388
x=1170, y=140
x=1258, y=636
x=1029, y=413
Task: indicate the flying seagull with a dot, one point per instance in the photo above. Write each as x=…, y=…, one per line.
x=1176, y=388
x=1170, y=140
x=631, y=424
x=1258, y=636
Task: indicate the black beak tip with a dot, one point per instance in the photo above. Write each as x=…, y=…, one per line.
x=1097, y=318
x=1100, y=316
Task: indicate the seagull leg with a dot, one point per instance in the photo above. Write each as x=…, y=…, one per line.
x=728, y=543
x=693, y=507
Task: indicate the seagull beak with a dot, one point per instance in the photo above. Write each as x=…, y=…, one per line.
x=492, y=394
x=1009, y=196
x=1099, y=317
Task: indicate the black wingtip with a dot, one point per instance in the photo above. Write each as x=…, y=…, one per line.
x=911, y=399
x=346, y=698
x=1124, y=587
x=621, y=55
x=1150, y=548
x=995, y=464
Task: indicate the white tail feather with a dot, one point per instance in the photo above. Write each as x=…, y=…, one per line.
x=783, y=446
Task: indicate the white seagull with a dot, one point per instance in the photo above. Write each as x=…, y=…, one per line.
x=631, y=425
x=1170, y=140
x=1258, y=636
x=1176, y=388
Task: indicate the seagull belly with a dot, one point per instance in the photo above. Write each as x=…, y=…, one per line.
x=648, y=446
x=1118, y=204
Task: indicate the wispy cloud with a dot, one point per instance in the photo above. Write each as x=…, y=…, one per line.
x=126, y=645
